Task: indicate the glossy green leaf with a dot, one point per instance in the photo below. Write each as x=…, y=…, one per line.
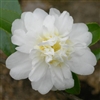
x=97, y=53
x=94, y=28
x=76, y=88
x=5, y=42
x=9, y=11
x=12, y=5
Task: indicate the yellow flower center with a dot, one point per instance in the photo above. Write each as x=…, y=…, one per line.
x=56, y=46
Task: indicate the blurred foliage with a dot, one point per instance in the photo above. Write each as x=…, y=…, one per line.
x=9, y=11
x=97, y=53
x=94, y=28
x=6, y=45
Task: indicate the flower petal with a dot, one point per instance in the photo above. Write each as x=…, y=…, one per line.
x=33, y=23
x=58, y=84
x=21, y=71
x=55, y=12
x=59, y=77
x=39, y=13
x=19, y=37
x=31, y=38
x=28, y=20
x=64, y=23
x=82, y=64
x=88, y=56
x=69, y=83
x=23, y=15
x=57, y=72
x=44, y=85
x=16, y=59
x=66, y=71
x=20, y=65
x=38, y=70
x=49, y=23
x=25, y=48
x=80, y=34
x=17, y=24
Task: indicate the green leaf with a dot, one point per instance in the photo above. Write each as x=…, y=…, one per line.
x=76, y=88
x=5, y=42
x=97, y=53
x=10, y=10
x=12, y=5
x=94, y=28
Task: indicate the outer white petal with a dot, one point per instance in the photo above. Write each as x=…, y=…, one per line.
x=49, y=23
x=62, y=85
x=23, y=15
x=20, y=65
x=57, y=72
x=80, y=34
x=28, y=20
x=58, y=84
x=55, y=12
x=25, y=48
x=19, y=37
x=82, y=63
x=26, y=41
x=44, y=85
x=64, y=23
x=88, y=56
x=69, y=83
x=18, y=24
x=39, y=13
x=22, y=70
x=78, y=46
x=66, y=71
x=38, y=70
x=35, y=85
x=33, y=23
x=16, y=59
x=57, y=77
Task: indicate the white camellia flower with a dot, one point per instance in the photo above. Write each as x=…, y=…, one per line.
x=49, y=48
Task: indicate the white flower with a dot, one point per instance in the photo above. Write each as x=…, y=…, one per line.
x=50, y=47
